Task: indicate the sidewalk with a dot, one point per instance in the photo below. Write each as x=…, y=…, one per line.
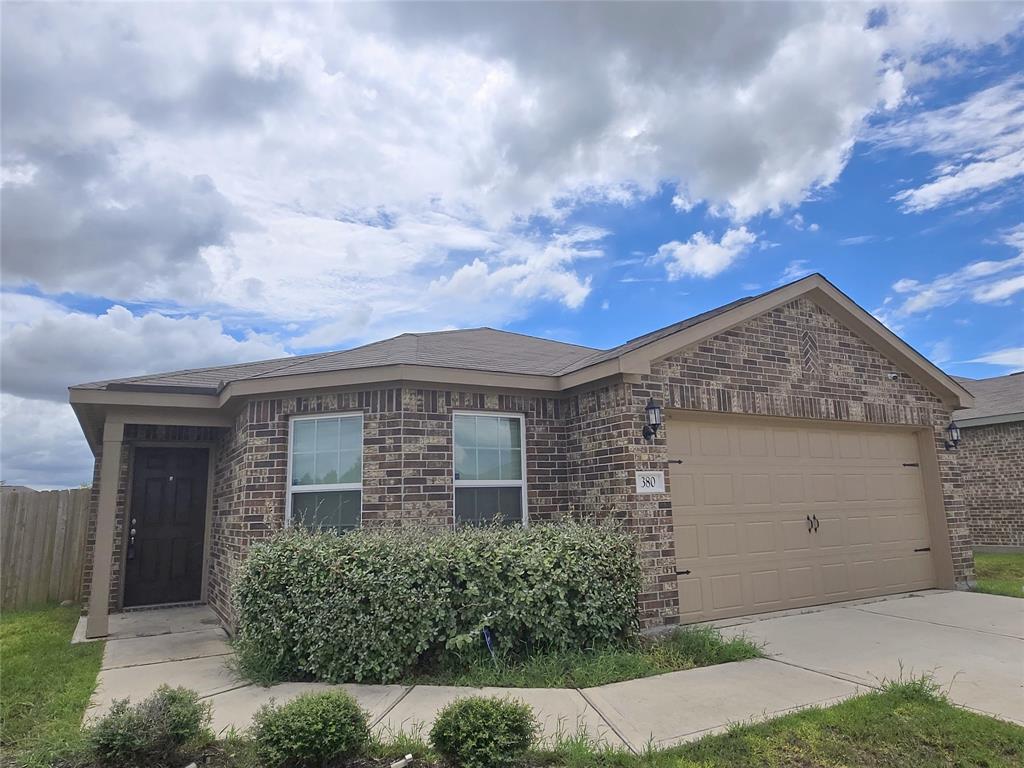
x=663, y=710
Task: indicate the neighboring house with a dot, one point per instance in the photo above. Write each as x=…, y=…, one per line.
x=801, y=460
x=991, y=454
x=4, y=488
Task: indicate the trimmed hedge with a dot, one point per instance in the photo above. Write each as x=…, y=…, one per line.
x=368, y=605
x=313, y=730
x=481, y=732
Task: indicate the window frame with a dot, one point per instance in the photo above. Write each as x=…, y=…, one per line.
x=291, y=489
x=525, y=522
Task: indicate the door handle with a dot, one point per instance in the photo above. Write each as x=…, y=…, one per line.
x=682, y=573
x=810, y=525
x=815, y=523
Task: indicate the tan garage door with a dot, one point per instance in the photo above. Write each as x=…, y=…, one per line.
x=770, y=516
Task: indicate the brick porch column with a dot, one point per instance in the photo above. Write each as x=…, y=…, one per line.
x=96, y=624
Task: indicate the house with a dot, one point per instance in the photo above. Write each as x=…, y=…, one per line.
x=991, y=454
x=800, y=457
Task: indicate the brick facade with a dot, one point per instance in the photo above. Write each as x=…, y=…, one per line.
x=582, y=448
x=992, y=461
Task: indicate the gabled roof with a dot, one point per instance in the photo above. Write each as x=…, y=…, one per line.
x=478, y=349
x=477, y=357
x=998, y=399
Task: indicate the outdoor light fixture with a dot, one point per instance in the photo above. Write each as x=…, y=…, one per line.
x=653, y=413
x=954, y=436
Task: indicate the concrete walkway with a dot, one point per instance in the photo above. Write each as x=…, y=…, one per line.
x=974, y=644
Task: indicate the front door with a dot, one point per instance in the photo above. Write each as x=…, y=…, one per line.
x=164, y=558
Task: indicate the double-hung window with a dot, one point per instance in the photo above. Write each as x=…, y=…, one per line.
x=490, y=473
x=325, y=482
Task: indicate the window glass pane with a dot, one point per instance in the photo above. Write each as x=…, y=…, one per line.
x=326, y=468
x=484, y=506
x=350, y=466
x=486, y=432
x=465, y=463
x=327, y=431
x=508, y=433
x=305, y=436
x=486, y=464
x=465, y=431
x=511, y=465
x=303, y=469
x=351, y=434
x=332, y=511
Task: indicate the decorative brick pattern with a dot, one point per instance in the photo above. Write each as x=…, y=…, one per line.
x=582, y=449
x=991, y=458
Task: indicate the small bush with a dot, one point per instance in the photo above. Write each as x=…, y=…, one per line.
x=165, y=729
x=312, y=730
x=369, y=605
x=480, y=732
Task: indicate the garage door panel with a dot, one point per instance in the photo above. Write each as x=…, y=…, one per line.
x=717, y=489
x=722, y=539
x=760, y=538
x=741, y=502
x=756, y=489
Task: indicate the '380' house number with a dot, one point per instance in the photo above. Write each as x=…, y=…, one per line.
x=650, y=482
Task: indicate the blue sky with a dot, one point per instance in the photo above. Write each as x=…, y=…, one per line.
x=243, y=182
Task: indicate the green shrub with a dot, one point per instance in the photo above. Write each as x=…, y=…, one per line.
x=367, y=606
x=312, y=730
x=480, y=732
x=166, y=729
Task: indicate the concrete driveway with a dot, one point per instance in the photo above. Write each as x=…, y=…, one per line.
x=972, y=644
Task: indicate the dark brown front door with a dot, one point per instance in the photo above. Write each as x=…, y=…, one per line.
x=164, y=561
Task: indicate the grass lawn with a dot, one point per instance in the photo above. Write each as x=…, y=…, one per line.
x=684, y=648
x=45, y=681
x=1000, y=574
x=907, y=725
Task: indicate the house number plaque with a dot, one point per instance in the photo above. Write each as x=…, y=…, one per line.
x=650, y=482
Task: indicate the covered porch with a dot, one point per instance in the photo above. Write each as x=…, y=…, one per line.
x=150, y=530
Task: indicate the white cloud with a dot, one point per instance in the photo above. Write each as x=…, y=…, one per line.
x=978, y=145
x=985, y=281
x=794, y=271
x=1011, y=357
x=797, y=222
x=701, y=256
x=941, y=351
x=858, y=240
x=998, y=290
x=43, y=445
x=46, y=348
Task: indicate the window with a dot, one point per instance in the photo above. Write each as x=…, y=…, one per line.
x=325, y=483
x=489, y=469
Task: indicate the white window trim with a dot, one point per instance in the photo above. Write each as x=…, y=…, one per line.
x=493, y=483
x=292, y=489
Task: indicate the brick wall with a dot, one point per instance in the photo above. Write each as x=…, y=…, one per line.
x=991, y=458
x=407, y=464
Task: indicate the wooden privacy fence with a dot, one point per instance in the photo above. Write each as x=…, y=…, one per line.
x=42, y=535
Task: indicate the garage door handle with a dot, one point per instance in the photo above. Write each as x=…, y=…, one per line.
x=815, y=523
x=682, y=573
x=810, y=525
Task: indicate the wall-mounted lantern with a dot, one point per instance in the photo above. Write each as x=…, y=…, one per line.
x=954, y=436
x=652, y=412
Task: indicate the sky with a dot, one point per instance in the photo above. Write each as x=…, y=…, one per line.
x=193, y=185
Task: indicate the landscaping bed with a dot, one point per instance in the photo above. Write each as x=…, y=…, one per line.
x=999, y=574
